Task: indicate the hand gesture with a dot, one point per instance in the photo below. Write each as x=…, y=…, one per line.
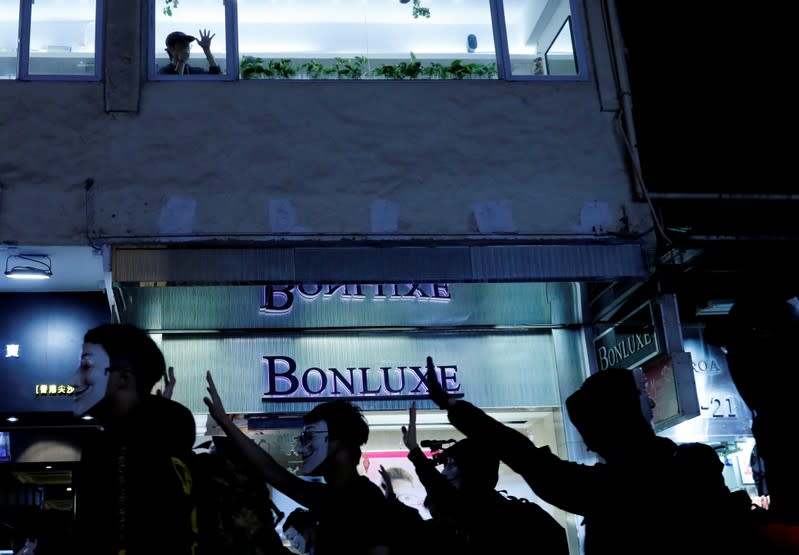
x=387, y=487
x=437, y=393
x=409, y=433
x=204, y=41
x=214, y=403
x=169, y=385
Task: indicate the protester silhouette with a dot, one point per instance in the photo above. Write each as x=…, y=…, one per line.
x=469, y=511
x=634, y=502
x=330, y=447
x=760, y=335
x=134, y=475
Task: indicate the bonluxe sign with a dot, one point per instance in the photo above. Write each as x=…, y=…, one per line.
x=287, y=381
x=279, y=299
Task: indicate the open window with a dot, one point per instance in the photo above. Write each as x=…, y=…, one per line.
x=541, y=38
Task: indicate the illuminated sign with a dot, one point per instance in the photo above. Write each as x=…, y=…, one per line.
x=54, y=389
x=278, y=299
x=284, y=381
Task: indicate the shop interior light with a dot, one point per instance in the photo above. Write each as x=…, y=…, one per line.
x=29, y=266
x=12, y=419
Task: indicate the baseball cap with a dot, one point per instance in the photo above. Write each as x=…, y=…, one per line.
x=177, y=36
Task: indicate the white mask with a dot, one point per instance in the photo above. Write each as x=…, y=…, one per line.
x=312, y=446
x=296, y=539
x=90, y=379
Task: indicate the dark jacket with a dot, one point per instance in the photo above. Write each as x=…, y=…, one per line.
x=639, y=505
x=133, y=485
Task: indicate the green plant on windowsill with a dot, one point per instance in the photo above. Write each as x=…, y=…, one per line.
x=253, y=68
x=282, y=68
x=350, y=68
x=315, y=70
x=434, y=70
x=169, y=6
x=403, y=70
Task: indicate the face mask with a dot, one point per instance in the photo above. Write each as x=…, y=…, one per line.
x=296, y=539
x=90, y=379
x=312, y=447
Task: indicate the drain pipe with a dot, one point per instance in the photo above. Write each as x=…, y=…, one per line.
x=623, y=84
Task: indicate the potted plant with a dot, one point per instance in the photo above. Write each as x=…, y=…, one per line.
x=434, y=70
x=282, y=68
x=314, y=69
x=350, y=68
x=253, y=68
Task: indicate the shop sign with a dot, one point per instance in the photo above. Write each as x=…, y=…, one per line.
x=286, y=381
x=630, y=342
x=279, y=299
x=51, y=389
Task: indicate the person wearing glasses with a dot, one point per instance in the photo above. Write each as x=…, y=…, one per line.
x=178, y=47
x=350, y=510
x=134, y=474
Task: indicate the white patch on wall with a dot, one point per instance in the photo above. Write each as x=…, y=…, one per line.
x=177, y=216
x=493, y=217
x=594, y=218
x=384, y=216
x=281, y=215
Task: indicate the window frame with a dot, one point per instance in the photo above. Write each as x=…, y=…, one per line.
x=23, y=52
x=231, y=48
x=576, y=13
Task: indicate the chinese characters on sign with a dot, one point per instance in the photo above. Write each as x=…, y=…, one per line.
x=54, y=389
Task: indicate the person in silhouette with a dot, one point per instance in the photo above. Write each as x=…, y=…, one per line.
x=330, y=447
x=760, y=335
x=468, y=508
x=635, y=500
x=134, y=474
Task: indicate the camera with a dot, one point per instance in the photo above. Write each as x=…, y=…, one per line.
x=436, y=446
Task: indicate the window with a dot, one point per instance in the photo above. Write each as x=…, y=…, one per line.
x=9, y=32
x=194, y=18
x=540, y=39
x=57, y=39
x=373, y=39
x=370, y=39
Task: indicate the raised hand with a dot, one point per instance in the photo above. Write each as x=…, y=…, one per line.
x=169, y=386
x=437, y=393
x=387, y=486
x=204, y=41
x=214, y=402
x=409, y=433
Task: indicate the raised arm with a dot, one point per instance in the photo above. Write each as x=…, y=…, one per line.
x=571, y=486
x=204, y=42
x=304, y=493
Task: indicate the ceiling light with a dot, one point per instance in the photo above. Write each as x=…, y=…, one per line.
x=29, y=266
x=12, y=419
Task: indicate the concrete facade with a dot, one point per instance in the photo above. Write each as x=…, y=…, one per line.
x=131, y=161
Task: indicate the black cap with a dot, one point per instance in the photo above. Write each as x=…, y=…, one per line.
x=177, y=36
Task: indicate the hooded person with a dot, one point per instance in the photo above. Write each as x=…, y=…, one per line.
x=637, y=496
x=134, y=474
x=330, y=446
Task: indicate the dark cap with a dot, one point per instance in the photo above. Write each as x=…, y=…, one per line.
x=177, y=36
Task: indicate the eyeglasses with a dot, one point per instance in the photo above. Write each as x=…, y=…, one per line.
x=307, y=437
